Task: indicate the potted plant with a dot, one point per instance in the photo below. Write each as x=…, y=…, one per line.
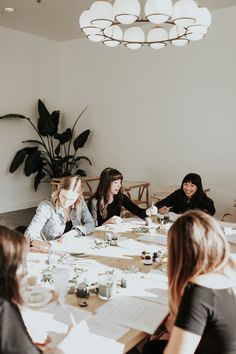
x=54, y=154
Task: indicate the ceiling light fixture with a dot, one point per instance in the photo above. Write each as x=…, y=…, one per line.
x=177, y=23
x=8, y=10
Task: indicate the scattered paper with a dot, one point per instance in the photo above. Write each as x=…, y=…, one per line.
x=134, y=313
x=81, y=340
x=231, y=238
x=105, y=327
x=156, y=238
x=53, y=319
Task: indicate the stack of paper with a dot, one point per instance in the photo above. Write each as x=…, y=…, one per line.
x=134, y=313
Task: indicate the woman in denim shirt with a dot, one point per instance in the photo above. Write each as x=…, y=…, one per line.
x=66, y=210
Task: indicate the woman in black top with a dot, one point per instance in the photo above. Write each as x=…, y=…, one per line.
x=14, y=337
x=108, y=200
x=202, y=288
x=189, y=196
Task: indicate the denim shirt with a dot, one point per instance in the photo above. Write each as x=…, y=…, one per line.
x=50, y=222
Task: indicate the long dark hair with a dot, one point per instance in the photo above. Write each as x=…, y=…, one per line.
x=196, y=245
x=107, y=176
x=12, y=249
x=195, y=179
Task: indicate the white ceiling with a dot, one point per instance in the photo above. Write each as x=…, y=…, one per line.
x=58, y=19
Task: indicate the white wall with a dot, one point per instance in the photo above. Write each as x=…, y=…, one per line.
x=29, y=68
x=157, y=115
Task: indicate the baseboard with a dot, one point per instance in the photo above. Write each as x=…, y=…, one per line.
x=8, y=207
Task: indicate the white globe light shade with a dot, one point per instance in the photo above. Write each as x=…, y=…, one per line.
x=126, y=11
x=203, y=17
x=199, y=29
x=115, y=33
x=196, y=32
x=158, y=11
x=85, y=19
x=96, y=37
x=135, y=36
x=85, y=24
x=184, y=12
x=195, y=36
x=101, y=13
x=155, y=35
x=177, y=36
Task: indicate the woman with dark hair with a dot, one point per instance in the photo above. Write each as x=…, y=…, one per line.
x=190, y=196
x=108, y=199
x=202, y=289
x=65, y=211
x=14, y=337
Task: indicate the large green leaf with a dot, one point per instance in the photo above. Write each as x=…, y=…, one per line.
x=14, y=115
x=38, y=178
x=83, y=158
x=55, y=115
x=80, y=172
x=17, y=161
x=81, y=139
x=64, y=137
x=33, y=142
x=46, y=125
x=33, y=163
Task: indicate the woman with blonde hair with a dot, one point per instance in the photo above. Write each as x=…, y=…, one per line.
x=14, y=337
x=202, y=283
x=66, y=210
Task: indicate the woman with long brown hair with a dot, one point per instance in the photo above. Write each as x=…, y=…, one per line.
x=108, y=199
x=202, y=288
x=66, y=210
x=14, y=337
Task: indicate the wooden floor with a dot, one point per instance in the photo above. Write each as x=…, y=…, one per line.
x=17, y=218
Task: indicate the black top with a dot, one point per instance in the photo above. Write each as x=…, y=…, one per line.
x=210, y=313
x=68, y=226
x=14, y=338
x=114, y=208
x=180, y=203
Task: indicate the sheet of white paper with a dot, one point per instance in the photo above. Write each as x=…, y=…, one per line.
x=156, y=238
x=122, y=227
x=173, y=216
x=232, y=238
x=37, y=257
x=134, y=221
x=135, y=248
x=54, y=319
x=149, y=288
x=105, y=327
x=226, y=224
x=134, y=313
x=81, y=340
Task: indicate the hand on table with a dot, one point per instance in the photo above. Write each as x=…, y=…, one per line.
x=114, y=220
x=164, y=210
x=152, y=210
x=42, y=246
x=68, y=235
